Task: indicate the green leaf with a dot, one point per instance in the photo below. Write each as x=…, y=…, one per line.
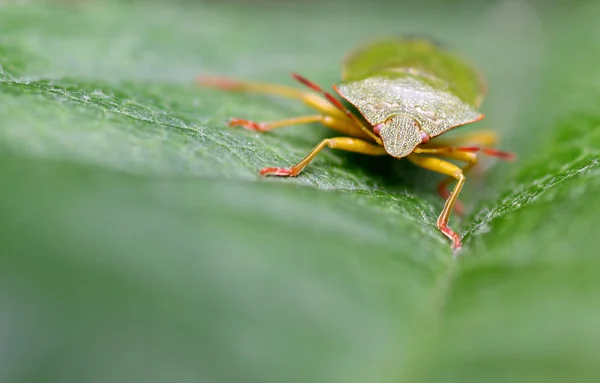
x=139, y=245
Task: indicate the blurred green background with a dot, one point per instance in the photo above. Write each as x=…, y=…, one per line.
x=138, y=244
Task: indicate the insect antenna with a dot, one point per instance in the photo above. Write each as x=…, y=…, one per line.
x=335, y=103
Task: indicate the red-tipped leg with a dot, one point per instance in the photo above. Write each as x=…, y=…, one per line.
x=250, y=125
x=266, y=126
x=455, y=238
x=506, y=156
x=219, y=82
x=443, y=191
x=278, y=172
x=334, y=101
x=343, y=143
x=462, y=153
x=449, y=169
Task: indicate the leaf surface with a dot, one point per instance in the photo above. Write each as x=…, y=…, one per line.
x=140, y=245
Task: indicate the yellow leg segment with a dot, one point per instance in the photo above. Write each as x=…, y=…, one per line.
x=468, y=157
x=336, y=124
x=471, y=160
x=484, y=138
x=444, y=167
x=312, y=100
x=466, y=154
x=342, y=143
x=266, y=126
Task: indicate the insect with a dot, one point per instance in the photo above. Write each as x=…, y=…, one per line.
x=407, y=91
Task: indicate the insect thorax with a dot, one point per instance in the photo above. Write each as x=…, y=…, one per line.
x=405, y=105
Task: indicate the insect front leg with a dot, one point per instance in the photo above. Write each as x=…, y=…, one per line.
x=466, y=154
x=324, y=106
x=469, y=158
x=343, y=143
x=442, y=188
x=266, y=126
x=334, y=123
x=444, y=167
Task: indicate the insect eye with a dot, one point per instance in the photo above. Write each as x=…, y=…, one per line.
x=377, y=128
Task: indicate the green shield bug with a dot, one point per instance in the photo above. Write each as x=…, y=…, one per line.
x=407, y=91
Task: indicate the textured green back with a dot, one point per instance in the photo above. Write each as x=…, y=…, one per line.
x=421, y=58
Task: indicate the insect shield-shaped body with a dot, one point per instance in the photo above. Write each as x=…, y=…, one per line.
x=408, y=91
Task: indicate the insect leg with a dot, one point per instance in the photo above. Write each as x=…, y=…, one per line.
x=444, y=167
x=342, y=143
x=312, y=100
x=442, y=188
x=485, y=138
x=461, y=153
x=506, y=156
x=469, y=158
x=476, y=141
x=333, y=123
x=335, y=102
x=479, y=138
x=266, y=126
